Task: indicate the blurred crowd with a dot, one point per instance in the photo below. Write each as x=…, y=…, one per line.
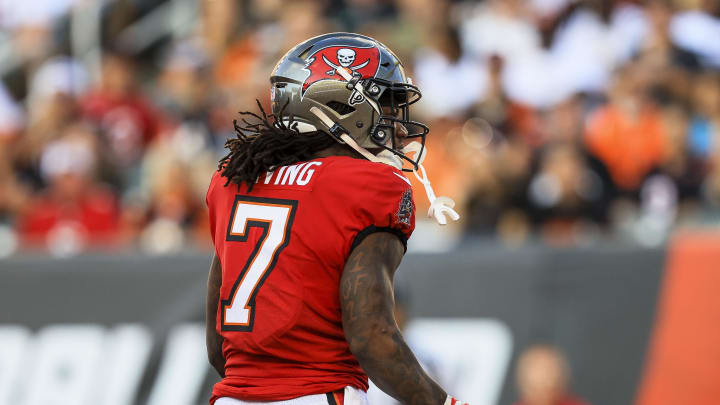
x=568, y=121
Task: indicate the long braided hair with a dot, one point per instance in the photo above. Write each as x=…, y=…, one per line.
x=266, y=144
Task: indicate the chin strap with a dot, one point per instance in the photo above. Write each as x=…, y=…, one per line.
x=440, y=207
x=385, y=156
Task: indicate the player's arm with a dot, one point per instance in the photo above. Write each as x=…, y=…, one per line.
x=213, y=340
x=367, y=300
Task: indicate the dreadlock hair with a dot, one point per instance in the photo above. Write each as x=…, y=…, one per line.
x=267, y=144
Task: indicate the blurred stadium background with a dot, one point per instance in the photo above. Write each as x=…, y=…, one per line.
x=578, y=137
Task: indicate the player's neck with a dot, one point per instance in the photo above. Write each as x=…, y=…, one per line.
x=337, y=150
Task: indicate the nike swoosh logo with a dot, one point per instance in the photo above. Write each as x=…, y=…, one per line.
x=403, y=178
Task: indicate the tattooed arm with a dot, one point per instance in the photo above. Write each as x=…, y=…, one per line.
x=366, y=296
x=213, y=340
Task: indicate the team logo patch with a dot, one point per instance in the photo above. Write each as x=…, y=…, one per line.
x=323, y=63
x=405, y=208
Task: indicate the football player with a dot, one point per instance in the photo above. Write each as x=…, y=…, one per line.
x=310, y=214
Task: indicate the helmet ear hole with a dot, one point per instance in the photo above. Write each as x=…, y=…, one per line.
x=340, y=108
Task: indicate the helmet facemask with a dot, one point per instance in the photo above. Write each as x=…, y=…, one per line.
x=394, y=100
x=386, y=105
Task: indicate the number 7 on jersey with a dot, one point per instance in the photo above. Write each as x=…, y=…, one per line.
x=274, y=217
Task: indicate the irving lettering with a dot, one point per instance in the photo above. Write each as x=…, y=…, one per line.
x=293, y=175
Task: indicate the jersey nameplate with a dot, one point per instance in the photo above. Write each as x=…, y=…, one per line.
x=293, y=175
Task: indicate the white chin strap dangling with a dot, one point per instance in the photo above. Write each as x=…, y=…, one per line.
x=440, y=207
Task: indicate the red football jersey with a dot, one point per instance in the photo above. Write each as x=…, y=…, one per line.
x=283, y=248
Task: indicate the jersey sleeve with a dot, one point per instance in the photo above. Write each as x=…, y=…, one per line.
x=378, y=198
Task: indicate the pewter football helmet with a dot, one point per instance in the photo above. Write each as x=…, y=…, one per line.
x=344, y=83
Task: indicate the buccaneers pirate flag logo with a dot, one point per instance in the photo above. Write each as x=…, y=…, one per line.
x=405, y=208
x=323, y=63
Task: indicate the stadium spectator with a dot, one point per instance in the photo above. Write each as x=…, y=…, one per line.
x=186, y=95
x=690, y=28
x=75, y=212
x=47, y=119
x=13, y=194
x=543, y=377
x=704, y=127
x=562, y=191
x=628, y=134
x=124, y=116
x=11, y=116
x=451, y=81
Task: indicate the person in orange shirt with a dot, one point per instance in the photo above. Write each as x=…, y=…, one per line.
x=627, y=134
